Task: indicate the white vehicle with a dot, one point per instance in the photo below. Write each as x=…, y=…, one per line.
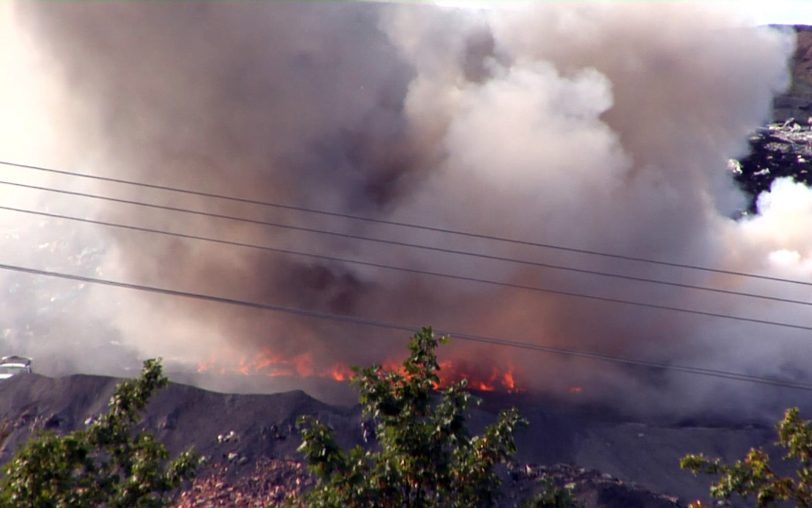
x=13, y=365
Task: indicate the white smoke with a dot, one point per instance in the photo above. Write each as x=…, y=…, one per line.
x=600, y=126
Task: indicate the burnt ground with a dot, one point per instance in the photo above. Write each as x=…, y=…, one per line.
x=250, y=442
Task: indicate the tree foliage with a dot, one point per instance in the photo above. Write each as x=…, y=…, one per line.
x=108, y=463
x=553, y=496
x=754, y=476
x=425, y=455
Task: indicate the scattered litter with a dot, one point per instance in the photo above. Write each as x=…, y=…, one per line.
x=229, y=437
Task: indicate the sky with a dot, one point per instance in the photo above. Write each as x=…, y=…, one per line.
x=798, y=12
x=760, y=11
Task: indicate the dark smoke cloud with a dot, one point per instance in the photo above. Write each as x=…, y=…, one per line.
x=590, y=125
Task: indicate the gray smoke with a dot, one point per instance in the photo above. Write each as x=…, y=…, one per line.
x=605, y=127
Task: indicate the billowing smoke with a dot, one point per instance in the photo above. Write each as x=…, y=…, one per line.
x=597, y=126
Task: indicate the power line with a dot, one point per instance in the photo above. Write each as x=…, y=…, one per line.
x=423, y=227
x=436, y=274
x=734, y=376
x=444, y=250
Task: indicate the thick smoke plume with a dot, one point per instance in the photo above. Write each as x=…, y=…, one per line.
x=603, y=127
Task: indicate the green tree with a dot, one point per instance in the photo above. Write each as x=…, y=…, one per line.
x=553, y=496
x=425, y=456
x=754, y=476
x=108, y=463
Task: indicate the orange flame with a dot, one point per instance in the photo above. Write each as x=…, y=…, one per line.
x=484, y=387
x=340, y=373
x=509, y=382
x=495, y=381
x=267, y=363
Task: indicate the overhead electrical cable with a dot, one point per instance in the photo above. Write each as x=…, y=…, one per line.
x=397, y=243
x=417, y=271
x=283, y=206
x=735, y=376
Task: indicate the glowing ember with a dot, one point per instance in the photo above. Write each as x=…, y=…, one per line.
x=575, y=390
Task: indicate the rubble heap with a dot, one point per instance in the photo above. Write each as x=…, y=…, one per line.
x=270, y=483
x=778, y=150
x=592, y=488
x=273, y=481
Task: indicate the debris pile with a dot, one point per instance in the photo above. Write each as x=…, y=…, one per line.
x=778, y=150
x=270, y=483
x=592, y=488
x=273, y=481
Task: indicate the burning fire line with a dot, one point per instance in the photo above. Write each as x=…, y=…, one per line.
x=268, y=364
